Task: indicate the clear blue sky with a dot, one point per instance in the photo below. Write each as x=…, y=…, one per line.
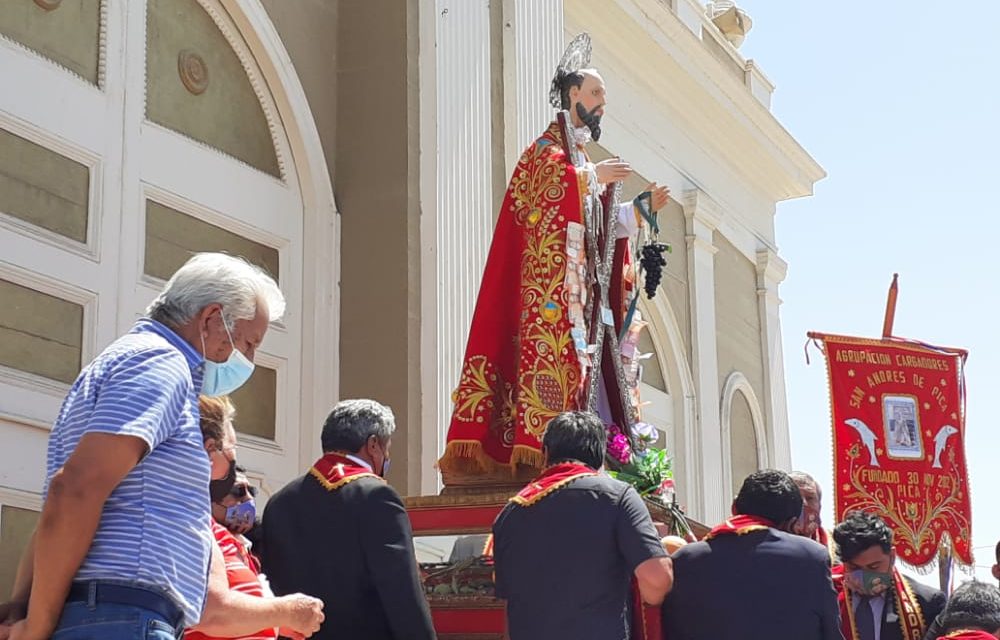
x=900, y=103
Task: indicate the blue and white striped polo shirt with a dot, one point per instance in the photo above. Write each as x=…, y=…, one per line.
x=154, y=528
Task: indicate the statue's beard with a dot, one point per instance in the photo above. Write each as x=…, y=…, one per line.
x=591, y=119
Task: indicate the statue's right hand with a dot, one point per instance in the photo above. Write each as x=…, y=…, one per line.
x=612, y=170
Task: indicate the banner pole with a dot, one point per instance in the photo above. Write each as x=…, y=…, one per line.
x=890, y=307
x=945, y=560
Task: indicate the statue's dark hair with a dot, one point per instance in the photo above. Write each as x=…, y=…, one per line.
x=563, y=82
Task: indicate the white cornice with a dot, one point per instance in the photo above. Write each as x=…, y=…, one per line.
x=771, y=268
x=652, y=50
x=701, y=207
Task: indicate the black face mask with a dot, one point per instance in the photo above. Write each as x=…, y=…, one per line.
x=219, y=489
x=591, y=119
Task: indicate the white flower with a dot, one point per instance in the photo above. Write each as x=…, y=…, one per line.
x=645, y=433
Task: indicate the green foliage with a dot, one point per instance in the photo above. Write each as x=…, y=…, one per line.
x=646, y=473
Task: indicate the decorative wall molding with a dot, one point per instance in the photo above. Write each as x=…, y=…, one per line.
x=738, y=383
x=91, y=248
x=20, y=499
x=222, y=19
x=771, y=270
x=102, y=34
x=193, y=71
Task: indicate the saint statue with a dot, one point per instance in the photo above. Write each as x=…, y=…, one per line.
x=555, y=325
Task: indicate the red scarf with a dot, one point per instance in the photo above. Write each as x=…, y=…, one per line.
x=911, y=619
x=550, y=480
x=335, y=469
x=968, y=634
x=740, y=525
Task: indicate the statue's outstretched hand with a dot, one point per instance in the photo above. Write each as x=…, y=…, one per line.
x=660, y=196
x=612, y=170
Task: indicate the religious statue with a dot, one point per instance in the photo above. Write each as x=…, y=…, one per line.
x=555, y=325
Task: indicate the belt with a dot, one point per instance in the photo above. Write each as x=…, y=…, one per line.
x=96, y=592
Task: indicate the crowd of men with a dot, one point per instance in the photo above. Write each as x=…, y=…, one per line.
x=147, y=524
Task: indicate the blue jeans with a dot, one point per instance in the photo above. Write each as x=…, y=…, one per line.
x=95, y=620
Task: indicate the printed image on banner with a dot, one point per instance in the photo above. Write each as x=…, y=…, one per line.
x=899, y=441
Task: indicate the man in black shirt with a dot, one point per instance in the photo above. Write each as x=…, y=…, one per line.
x=568, y=545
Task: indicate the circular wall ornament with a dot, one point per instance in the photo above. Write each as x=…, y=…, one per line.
x=48, y=5
x=193, y=71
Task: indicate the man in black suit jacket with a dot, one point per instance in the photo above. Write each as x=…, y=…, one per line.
x=750, y=579
x=864, y=544
x=341, y=533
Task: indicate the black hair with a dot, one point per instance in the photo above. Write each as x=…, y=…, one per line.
x=770, y=494
x=996, y=552
x=974, y=605
x=566, y=81
x=860, y=531
x=576, y=435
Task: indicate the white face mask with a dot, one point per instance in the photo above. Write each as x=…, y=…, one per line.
x=222, y=378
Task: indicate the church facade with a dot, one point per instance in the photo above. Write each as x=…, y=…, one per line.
x=358, y=149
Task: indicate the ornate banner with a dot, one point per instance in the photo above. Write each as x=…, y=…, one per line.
x=898, y=410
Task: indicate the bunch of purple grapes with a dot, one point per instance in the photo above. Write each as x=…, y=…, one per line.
x=652, y=262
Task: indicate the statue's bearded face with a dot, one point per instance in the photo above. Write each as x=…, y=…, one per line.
x=587, y=102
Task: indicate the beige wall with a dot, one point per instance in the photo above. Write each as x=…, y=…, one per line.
x=308, y=29
x=377, y=192
x=737, y=319
x=357, y=61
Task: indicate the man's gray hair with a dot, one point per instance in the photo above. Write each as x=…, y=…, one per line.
x=802, y=479
x=210, y=278
x=353, y=422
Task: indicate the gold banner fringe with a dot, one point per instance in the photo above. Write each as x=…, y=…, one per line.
x=467, y=456
x=527, y=456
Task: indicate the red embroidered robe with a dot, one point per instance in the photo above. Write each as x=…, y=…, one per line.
x=523, y=364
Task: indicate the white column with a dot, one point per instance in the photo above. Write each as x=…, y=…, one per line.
x=533, y=42
x=771, y=270
x=704, y=448
x=457, y=216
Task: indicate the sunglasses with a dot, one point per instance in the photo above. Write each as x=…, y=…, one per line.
x=241, y=490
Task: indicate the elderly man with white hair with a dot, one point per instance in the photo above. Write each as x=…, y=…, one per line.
x=123, y=546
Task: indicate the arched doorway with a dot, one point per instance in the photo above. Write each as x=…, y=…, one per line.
x=135, y=134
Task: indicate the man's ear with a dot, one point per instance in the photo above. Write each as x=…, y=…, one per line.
x=996, y=571
x=732, y=509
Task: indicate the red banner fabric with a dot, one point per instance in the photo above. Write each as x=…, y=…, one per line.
x=898, y=411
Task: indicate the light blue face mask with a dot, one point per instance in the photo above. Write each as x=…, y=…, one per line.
x=222, y=378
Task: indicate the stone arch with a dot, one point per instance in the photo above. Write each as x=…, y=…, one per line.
x=738, y=383
x=670, y=352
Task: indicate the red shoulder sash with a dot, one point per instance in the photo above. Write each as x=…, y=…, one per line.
x=335, y=469
x=968, y=634
x=550, y=480
x=738, y=526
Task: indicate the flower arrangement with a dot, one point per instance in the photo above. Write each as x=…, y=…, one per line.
x=645, y=467
x=649, y=470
